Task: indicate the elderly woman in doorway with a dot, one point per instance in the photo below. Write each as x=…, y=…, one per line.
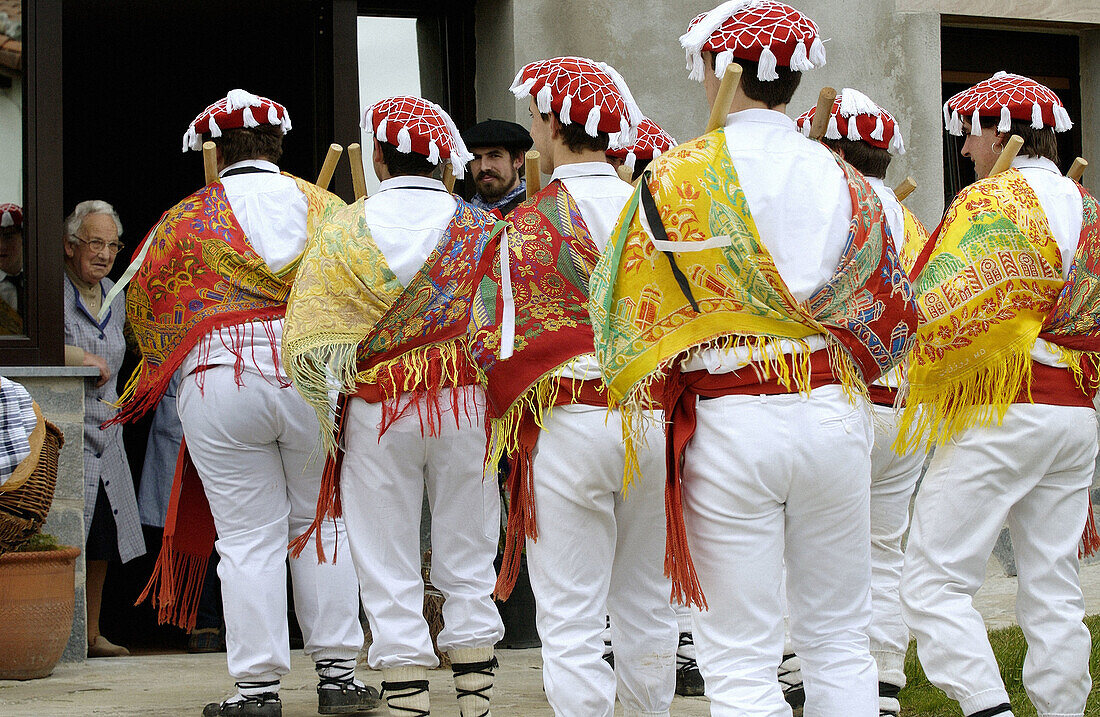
x=111, y=525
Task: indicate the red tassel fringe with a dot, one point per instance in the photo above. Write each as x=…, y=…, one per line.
x=686, y=589
x=679, y=406
x=1090, y=540
x=154, y=380
x=176, y=586
x=521, y=508
x=329, y=504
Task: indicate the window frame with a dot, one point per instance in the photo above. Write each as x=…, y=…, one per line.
x=458, y=44
x=42, y=344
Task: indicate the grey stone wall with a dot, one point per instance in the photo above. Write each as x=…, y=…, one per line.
x=1090, y=107
x=891, y=55
x=61, y=398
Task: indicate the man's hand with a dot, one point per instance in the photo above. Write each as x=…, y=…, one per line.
x=91, y=359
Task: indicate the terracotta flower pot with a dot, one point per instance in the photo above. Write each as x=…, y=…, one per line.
x=36, y=611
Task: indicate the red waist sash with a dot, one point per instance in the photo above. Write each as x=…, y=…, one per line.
x=679, y=402
x=1050, y=385
x=882, y=395
x=1056, y=386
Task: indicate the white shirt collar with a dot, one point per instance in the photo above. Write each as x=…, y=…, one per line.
x=257, y=163
x=878, y=184
x=411, y=180
x=583, y=169
x=1036, y=163
x=759, y=115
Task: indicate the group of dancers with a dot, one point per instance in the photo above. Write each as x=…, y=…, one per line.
x=712, y=388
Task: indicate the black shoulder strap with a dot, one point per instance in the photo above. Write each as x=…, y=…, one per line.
x=659, y=233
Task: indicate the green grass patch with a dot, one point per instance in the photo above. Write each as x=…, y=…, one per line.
x=921, y=699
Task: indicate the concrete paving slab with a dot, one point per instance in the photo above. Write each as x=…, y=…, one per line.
x=182, y=684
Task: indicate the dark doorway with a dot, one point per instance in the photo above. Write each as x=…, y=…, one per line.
x=970, y=55
x=135, y=74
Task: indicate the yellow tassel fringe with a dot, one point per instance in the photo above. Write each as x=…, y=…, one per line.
x=314, y=370
x=539, y=400
x=130, y=388
x=935, y=413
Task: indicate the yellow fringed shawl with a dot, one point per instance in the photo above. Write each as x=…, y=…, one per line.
x=990, y=282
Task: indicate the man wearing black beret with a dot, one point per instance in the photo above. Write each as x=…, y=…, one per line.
x=498, y=148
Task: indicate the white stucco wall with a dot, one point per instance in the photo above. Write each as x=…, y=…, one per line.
x=892, y=55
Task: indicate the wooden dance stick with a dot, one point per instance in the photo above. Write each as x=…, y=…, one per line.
x=448, y=176
x=1011, y=149
x=210, y=161
x=1078, y=168
x=358, y=176
x=333, y=156
x=820, y=125
x=903, y=190
x=722, y=101
x=625, y=173
x=531, y=172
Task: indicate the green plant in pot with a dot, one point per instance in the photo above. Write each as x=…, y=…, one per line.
x=37, y=580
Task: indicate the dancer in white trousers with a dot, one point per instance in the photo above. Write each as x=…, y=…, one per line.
x=867, y=137
x=209, y=299
x=768, y=447
x=414, y=415
x=591, y=545
x=1015, y=427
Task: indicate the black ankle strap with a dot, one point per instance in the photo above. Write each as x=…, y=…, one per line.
x=475, y=668
x=999, y=709
x=885, y=689
x=257, y=698
x=685, y=664
x=407, y=688
x=257, y=685
x=340, y=680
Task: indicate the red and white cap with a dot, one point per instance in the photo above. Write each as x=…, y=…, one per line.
x=584, y=91
x=854, y=116
x=651, y=143
x=11, y=215
x=236, y=110
x=764, y=31
x=1007, y=97
x=413, y=124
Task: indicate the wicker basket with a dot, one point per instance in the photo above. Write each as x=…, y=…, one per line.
x=433, y=608
x=26, y=497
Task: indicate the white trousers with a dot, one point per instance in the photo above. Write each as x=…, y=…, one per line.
x=893, y=479
x=382, y=485
x=252, y=447
x=768, y=479
x=1033, y=472
x=596, y=548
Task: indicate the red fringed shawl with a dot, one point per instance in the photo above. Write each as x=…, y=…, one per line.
x=199, y=275
x=551, y=257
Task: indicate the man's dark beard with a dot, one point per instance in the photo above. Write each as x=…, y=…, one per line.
x=489, y=194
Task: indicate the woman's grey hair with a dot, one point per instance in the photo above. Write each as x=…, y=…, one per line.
x=92, y=206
